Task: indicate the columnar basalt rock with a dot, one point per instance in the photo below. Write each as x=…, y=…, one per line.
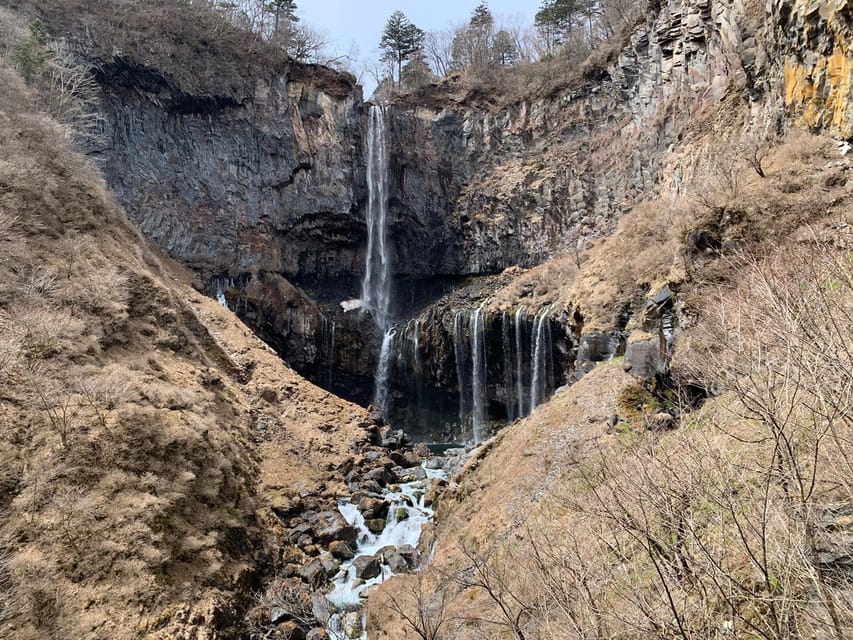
x=814, y=39
x=273, y=181
x=269, y=186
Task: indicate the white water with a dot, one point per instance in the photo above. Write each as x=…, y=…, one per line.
x=219, y=287
x=376, y=285
x=519, y=359
x=478, y=357
x=509, y=387
x=459, y=353
x=347, y=592
x=383, y=371
x=539, y=365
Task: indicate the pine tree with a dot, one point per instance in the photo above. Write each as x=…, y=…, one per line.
x=482, y=16
x=472, y=43
x=33, y=53
x=504, y=51
x=400, y=40
x=281, y=10
x=556, y=18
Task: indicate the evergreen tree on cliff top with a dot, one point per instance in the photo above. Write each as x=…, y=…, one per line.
x=400, y=40
x=555, y=20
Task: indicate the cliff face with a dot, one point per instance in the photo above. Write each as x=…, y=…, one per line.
x=817, y=62
x=519, y=184
x=267, y=185
x=270, y=182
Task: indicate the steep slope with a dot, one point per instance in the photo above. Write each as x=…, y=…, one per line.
x=146, y=432
x=636, y=510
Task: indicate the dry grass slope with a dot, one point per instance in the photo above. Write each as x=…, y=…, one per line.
x=145, y=431
x=734, y=525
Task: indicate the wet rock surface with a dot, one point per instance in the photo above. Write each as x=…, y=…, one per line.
x=322, y=542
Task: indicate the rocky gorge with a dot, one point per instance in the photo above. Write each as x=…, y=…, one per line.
x=516, y=271
x=262, y=191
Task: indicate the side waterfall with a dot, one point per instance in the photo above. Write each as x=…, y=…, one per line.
x=478, y=358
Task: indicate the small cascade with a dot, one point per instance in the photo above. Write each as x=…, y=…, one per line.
x=219, y=286
x=509, y=383
x=418, y=366
x=478, y=373
x=541, y=382
x=519, y=359
x=331, y=357
x=407, y=514
x=459, y=352
x=326, y=346
x=383, y=371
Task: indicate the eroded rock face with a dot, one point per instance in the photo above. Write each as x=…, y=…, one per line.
x=495, y=188
x=271, y=182
x=817, y=62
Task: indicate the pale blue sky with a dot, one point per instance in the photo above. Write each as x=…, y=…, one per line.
x=361, y=22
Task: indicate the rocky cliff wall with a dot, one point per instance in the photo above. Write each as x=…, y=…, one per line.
x=514, y=185
x=268, y=185
x=270, y=182
x=814, y=39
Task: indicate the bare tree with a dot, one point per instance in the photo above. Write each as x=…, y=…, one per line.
x=438, y=48
x=495, y=572
x=422, y=606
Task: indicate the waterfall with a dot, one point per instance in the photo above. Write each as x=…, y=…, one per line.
x=509, y=387
x=383, y=371
x=519, y=359
x=539, y=364
x=459, y=353
x=376, y=286
x=416, y=350
x=478, y=357
x=219, y=286
x=330, y=355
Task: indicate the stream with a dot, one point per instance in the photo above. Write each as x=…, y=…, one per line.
x=394, y=548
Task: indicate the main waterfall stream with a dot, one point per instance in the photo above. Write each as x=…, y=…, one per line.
x=376, y=285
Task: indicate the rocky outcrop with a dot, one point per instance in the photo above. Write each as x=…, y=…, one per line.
x=272, y=181
x=817, y=62
x=494, y=187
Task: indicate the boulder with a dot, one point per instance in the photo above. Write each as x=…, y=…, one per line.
x=393, y=438
x=661, y=422
x=422, y=451
x=373, y=507
x=375, y=525
x=317, y=634
x=330, y=564
x=406, y=458
x=381, y=475
x=411, y=555
x=329, y=526
x=353, y=627
x=314, y=574
x=646, y=357
x=322, y=608
x=366, y=567
x=395, y=562
x=291, y=631
x=436, y=462
x=341, y=550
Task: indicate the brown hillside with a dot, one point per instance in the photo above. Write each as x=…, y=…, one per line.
x=145, y=431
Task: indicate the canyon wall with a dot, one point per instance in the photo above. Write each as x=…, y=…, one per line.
x=266, y=189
